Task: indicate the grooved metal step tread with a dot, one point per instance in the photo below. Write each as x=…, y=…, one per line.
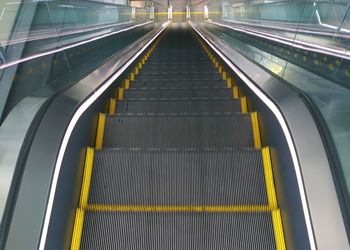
x=189, y=88
x=159, y=82
x=177, y=231
x=182, y=114
x=178, y=177
x=179, y=77
x=167, y=58
x=183, y=93
x=173, y=64
x=178, y=106
x=185, y=72
x=178, y=99
x=178, y=131
x=178, y=67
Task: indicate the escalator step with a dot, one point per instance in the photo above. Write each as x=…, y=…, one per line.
x=178, y=177
x=179, y=106
x=180, y=77
x=185, y=72
x=160, y=82
x=178, y=67
x=179, y=131
x=166, y=93
x=184, y=64
x=143, y=230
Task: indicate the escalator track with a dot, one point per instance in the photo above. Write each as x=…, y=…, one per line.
x=178, y=161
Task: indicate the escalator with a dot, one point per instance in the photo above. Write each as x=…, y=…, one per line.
x=178, y=161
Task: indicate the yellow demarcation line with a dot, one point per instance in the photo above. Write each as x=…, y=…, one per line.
x=85, y=186
x=127, y=83
x=100, y=130
x=235, y=92
x=77, y=229
x=175, y=208
x=270, y=186
x=256, y=130
x=229, y=82
x=120, y=94
x=271, y=196
x=89, y=158
x=224, y=75
x=278, y=229
x=220, y=69
x=84, y=195
x=244, y=106
x=112, y=106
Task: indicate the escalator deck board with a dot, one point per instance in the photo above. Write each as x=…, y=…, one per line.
x=178, y=131
x=179, y=106
x=178, y=177
x=144, y=230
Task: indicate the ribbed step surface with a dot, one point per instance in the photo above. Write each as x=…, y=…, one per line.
x=180, y=77
x=178, y=177
x=176, y=93
x=178, y=131
x=185, y=231
x=174, y=74
x=178, y=168
x=160, y=82
x=176, y=105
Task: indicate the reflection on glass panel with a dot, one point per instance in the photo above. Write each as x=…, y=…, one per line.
x=46, y=25
x=42, y=43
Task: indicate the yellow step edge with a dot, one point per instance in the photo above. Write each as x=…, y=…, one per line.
x=235, y=92
x=100, y=130
x=77, y=229
x=175, y=208
x=278, y=229
x=126, y=83
x=140, y=65
x=270, y=186
x=256, y=129
x=112, y=106
x=132, y=77
x=220, y=69
x=224, y=75
x=120, y=94
x=229, y=82
x=244, y=106
x=136, y=71
x=85, y=186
